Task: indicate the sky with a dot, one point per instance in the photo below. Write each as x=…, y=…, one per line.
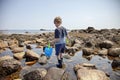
x=75, y=14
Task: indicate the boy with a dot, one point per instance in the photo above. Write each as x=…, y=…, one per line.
x=60, y=40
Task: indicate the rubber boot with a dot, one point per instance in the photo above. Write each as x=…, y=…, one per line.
x=62, y=60
x=59, y=64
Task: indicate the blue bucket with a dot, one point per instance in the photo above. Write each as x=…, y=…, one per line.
x=48, y=51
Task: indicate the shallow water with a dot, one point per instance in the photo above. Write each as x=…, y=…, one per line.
x=101, y=63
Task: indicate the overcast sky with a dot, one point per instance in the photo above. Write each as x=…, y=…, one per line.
x=76, y=14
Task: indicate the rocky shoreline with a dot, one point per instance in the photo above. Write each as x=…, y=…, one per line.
x=104, y=42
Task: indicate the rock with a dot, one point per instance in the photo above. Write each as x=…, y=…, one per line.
x=17, y=49
x=103, y=52
x=68, y=76
x=88, y=57
x=39, y=40
x=3, y=44
x=84, y=74
x=77, y=46
x=88, y=44
x=13, y=46
x=37, y=74
x=90, y=29
x=31, y=55
x=71, y=50
x=86, y=71
x=84, y=66
x=28, y=42
x=66, y=56
x=116, y=63
x=8, y=65
x=87, y=51
x=42, y=59
x=106, y=44
x=115, y=52
x=12, y=42
x=54, y=73
x=19, y=56
x=21, y=44
x=28, y=46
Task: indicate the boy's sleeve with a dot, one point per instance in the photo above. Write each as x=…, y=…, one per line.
x=56, y=33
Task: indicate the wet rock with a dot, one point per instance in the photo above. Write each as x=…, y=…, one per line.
x=17, y=49
x=88, y=57
x=87, y=51
x=71, y=50
x=31, y=55
x=115, y=52
x=8, y=65
x=68, y=76
x=84, y=66
x=42, y=59
x=28, y=46
x=116, y=63
x=106, y=44
x=103, y=52
x=84, y=74
x=37, y=74
x=66, y=56
x=87, y=71
x=19, y=56
x=54, y=73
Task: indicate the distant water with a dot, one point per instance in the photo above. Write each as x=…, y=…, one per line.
x=24, y=31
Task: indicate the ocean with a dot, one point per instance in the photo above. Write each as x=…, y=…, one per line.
x=24, y=31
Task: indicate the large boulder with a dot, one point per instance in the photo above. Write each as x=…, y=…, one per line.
x=116, y=63
x=18, y=49
x=87, y=51
x=42, y=59
x=106, y=44
x=8, y=65
x=115, y=52
x=84, y=74
x=31, y=55
x=54, y=73
x=89, y=72
x=37, y=74
x=19, y=56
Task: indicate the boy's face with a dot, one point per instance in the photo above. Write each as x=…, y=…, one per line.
x=57, y=24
